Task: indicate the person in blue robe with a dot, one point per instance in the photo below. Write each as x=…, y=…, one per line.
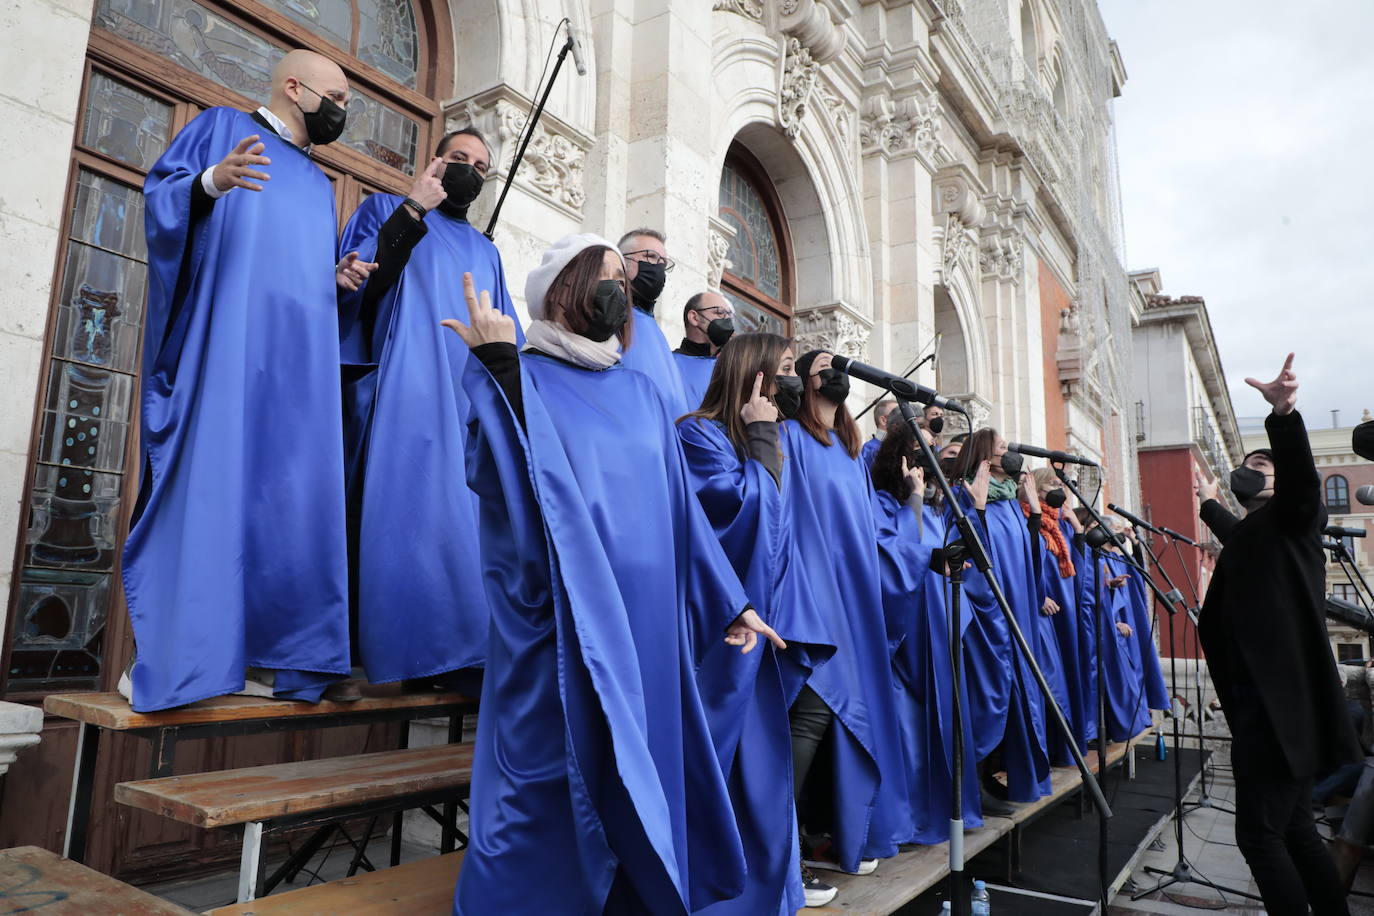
x=1058, y=621
x=910, y=530
x=596, y=785
x=1010, y=728
x=236, y=553
x=709, y=320
x=647, y=264
x=418, y=613
x=1142, y=600
x=732, y=452
x=849, y=704
x=1127, y=711
x=882, y=413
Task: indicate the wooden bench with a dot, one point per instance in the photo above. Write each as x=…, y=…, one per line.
x=423, y=888
x=313, y=793
x=36, y=880
x=226, y=717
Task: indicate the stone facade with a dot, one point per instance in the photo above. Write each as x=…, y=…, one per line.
x=937, y=163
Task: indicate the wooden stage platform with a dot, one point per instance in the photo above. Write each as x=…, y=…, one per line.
x=916, y=869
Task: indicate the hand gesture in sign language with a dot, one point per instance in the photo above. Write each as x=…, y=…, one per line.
x=916, y=476
x=747, y=629
x=428, y=189
x=1204, y=488
x=234, y=169
x=351, y=273
x=1030, y=491
x=487, y=324
x=979, y=488
x=1282, y=392
x=758, y=408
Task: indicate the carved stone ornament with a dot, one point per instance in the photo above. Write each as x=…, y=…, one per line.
x=911, y=126
x=979, y=414
x=957, y=245
x=810, y=22
x=835, y=327
x=1002, y=257
x=554, y=160
x=836, y=107
x=719, y=236
x=799, y=73
x=749, y=9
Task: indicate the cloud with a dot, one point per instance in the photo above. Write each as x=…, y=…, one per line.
x=1243, y=134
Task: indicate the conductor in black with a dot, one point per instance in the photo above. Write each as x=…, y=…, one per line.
x=1264, y=634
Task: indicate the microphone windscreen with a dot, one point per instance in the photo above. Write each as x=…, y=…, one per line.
x=1365, y=495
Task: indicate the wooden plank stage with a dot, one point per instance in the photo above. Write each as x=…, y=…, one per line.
x=39, y=881
x=423, y=888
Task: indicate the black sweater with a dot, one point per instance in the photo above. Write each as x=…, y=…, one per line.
x=1263, y=626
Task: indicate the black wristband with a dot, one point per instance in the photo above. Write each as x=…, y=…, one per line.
x=414, y=205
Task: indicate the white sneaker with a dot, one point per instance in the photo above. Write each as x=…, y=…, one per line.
x=818, y=893
x=126, y=686
x=820, y=860
x=257, y=682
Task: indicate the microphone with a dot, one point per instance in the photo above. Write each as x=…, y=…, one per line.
x=1365, y=495
x=903, y=388
x=1133, y=519
x=1053, y=456
x=576, y=47
x=1097, y=537
x=1177, y=537
x=1336, y=531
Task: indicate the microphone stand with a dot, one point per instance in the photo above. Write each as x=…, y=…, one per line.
x=979, y=555
x=529, y=134
x=1205, y=800
x=954, y=556
x=1347, y=564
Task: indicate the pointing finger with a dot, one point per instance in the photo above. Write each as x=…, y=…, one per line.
x=436, y=165
x=1254, y=383
x=758, y=385
x=1288, y=363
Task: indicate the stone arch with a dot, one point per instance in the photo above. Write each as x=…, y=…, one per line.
x=505, y=42
x=1027, y=29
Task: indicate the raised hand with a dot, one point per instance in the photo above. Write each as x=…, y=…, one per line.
x=234, y=169
x=979, y=488
x=487, y=325
x=1029, y=492
x=1118, y=582
x=1282, y=392
x=351, y=273
x=915, y=475
x=428, y=189
x=1204, y=488
x=758, y=408
x=747, y=629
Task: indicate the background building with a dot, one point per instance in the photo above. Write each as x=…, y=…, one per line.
x=1184, y=425
x=883, y=179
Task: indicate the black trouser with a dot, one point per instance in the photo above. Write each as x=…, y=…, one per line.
x=1274, y=827
x=810, y=719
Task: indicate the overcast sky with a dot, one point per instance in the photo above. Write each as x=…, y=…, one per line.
x=1245, y=134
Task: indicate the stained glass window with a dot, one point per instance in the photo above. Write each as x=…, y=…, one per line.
x=754, y=252
x=196, y=37
x=749, y=318
x=71, y=541
x=387, y=38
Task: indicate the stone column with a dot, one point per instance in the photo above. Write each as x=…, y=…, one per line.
x=19, y=728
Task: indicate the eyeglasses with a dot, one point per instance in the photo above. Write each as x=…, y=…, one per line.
x=338, y=96
x=649, y=256
x=720, y=310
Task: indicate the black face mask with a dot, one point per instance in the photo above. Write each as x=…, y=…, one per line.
x=1246, y=483
x=462, y=183
x=1012, y=463
x=326, y=123
x=834, y=385
x=647, y=285
x=1056, y=497
x=788, y=395
x=935, y=424
x=719, y=331
x=609, y=311
x=947, y=465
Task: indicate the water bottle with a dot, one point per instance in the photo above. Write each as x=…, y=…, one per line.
x=979, y=904
x=1161, y=750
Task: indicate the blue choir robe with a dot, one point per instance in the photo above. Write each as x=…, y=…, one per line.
x=829, y=500
x=750, y=726
x=914, y=597
x=602, y=573
x=870, y=451
x=1008, y=707
x=1075, y=655
x=420, y=612
x=1088, y=613
x=696, y=375
x=1127, y=711
x=1142, y=599
x=236, y=554
x=649, y=353
x=1058, y=648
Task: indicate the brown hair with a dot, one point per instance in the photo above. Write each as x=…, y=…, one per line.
x=978, y=447
x=810, y=416
x=570, y=295
x=739, y=362
x=900, y=442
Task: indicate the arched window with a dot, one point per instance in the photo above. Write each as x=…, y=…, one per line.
x=1030, y=48
x=1337, y=494
x=152, y=66
x=1060, y=96
x=759, y=279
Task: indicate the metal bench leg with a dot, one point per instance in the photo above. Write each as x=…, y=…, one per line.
x=448, y=834
x=83, y=786
x=360, y=848
x=398, y=819
x=252, y=867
